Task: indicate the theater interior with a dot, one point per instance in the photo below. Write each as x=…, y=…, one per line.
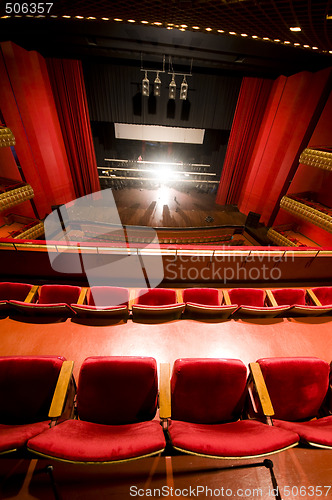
x=165, y=201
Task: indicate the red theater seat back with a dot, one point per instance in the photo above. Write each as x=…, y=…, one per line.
x=157, y=297
x=204, y=296
x=324, y=295
x=247, y=296
x=55, y=294
x=14, y=291
x=297, y=386
x=27, y=384
x=106, y=296
x=222, y=402
x=290, y=296
x=117, y=390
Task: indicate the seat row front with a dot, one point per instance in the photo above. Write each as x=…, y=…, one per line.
x=207, y=407
x=164, y=303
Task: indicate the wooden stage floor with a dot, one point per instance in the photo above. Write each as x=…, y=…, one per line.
x=247, y=340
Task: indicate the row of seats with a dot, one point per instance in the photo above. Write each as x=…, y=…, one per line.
x=204, y=407
x=164, y=303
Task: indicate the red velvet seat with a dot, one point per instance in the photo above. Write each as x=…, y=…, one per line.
x=52, y=299
x=300, y=394
x=205, y=303
x=27, y=385
x=296, y=298
x=104, y=302
x=12, y=291
x=207, y=400
x=324, y=295
x=157, y=303
x=116, y=404
x=251, y=302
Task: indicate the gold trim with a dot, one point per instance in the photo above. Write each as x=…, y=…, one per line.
x=94, y=463
x=236, y=458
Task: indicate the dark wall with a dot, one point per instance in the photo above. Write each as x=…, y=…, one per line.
x=114, y=95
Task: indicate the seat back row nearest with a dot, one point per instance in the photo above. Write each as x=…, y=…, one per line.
x=203, y=407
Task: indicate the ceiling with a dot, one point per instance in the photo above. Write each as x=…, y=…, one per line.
x=249, y=37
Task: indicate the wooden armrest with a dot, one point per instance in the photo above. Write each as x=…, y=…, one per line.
x=165, y=391
x=81, y=298
x=61, y=389
x=271, y=298
x=227, y=298
x=32, y=294
x=132, y=297
x=313, y=297
x=261, y=389
x=179, y=296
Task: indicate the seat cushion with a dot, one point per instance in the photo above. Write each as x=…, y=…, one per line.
x=267, y=312
x=310, y=310
x=168, y=311
x=241, y=439
x=316, y=432
x=209, y=311
x=100, y=312
x=14, y=291
x=13, y=437
x=42, y=309
x=80, y=441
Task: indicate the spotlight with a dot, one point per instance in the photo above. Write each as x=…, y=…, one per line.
x=184, y=89
x=172, y=88
x=157, y=85
x=145, y=85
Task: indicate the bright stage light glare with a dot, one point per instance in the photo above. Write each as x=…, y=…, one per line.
x=164, y=173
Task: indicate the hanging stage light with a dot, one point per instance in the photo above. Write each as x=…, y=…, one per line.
x=157, y=85
x=172, y=88
x=184, y=89
x=145, y=85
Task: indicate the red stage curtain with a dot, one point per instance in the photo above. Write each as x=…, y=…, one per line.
x=67, y=82
x=249, y=112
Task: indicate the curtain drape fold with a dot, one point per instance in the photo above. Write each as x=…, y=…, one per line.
x=68, y=87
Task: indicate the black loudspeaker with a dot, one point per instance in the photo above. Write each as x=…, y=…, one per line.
x=252, y=219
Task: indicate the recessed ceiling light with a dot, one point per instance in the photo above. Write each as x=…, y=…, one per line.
x=79, y=17
x=314, y=48
x=306, y=46
x=276, y=40
x=286, y=41
x=266, y=38
x=295, y=28
x=195, y=27
x=254, y=36
x=328, y=17
x=170, y=24
x=296, y=44
x=53, y=16
x=221, y=31
x=208, y=29
x=330, y=51
x=232, y=33
x=182, y=29
x=169, y=27
x=92, y=17
x=157, y=23
x=244, y=34
x=183, y=26
x=131, y=21
x=117, y=19
x=67, y=17
x=145, y=22
x=105, y=18
x=4, y=17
